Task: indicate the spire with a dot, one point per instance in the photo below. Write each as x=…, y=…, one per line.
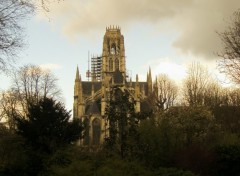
x=77, y=75
x=78, y=86
x=147, y=77
x=150, y=74
x=77, y=95
x=137, y=78
x=149, y=82
x=130, y=82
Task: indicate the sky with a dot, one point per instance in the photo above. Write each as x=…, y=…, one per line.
x=165, y=35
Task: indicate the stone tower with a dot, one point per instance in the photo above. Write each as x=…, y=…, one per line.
x=113, y=55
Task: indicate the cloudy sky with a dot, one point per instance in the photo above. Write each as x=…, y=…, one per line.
x=165, y=35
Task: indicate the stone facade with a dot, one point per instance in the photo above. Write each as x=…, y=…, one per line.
x=91, y=97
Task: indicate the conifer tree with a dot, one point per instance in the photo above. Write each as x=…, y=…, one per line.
x=47, y=126
x=123, y=122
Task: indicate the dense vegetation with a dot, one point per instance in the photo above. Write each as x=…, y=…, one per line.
x=187, y=140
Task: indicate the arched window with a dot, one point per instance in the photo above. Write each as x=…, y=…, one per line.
x=96, y=126
x=113, y=49
x=116, y=64
x=110, y=64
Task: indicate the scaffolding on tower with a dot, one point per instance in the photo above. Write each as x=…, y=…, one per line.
x=96, y=68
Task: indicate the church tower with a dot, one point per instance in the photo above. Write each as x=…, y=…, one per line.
x=113, y=55
x=91, y=97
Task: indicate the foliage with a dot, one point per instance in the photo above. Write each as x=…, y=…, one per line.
x=199, y=159
x=167, y=139
x=123, y=122
x=173, y=172
x=228, y=117
x=118, y=167
x=13, y=158
x=8, y=105
x=194, y=123
x=228, y=160
x=47, y=127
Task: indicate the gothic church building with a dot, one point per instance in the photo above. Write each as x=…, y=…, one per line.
x=91, y=97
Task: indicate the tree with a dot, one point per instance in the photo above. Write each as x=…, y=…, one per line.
x=12, y=12
x=13, y=159
x=173, y=131
x=46, y=129
x=213, y=95
x=230, y=55
x=195, y=85
x=30, y=84
x=47, y=126
x=193, y=123
x=123, y=122
x=165, y=91
x=8, y=105
x=12, y=15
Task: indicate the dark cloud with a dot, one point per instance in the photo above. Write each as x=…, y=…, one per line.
x=196, y=21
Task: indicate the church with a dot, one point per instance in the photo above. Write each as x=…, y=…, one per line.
x=91, y=97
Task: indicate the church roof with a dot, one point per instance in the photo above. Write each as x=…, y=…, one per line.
x=141, y=85
x=87, y=87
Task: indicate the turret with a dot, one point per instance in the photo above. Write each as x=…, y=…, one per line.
x=149, y=82
x=76, y=85
x=78, y=106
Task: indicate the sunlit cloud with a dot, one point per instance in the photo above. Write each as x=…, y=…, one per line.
x=50, y=66
x=176, y=72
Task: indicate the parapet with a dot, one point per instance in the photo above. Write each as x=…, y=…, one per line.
x=113, y=28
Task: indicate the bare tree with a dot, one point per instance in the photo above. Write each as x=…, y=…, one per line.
x=230, y=55
x=30, y=84
x=230, y=97
x=12, y=15
x=165, y=92
x=8, y=106
x=12, y=12
x=195, y=85
x=213, y=94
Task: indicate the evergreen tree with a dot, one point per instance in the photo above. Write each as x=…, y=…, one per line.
x=123, y=122
x=47, y=126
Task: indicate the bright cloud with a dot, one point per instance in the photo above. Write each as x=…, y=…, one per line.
x=195, y=21
x=50, y=66
x=176, y=72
